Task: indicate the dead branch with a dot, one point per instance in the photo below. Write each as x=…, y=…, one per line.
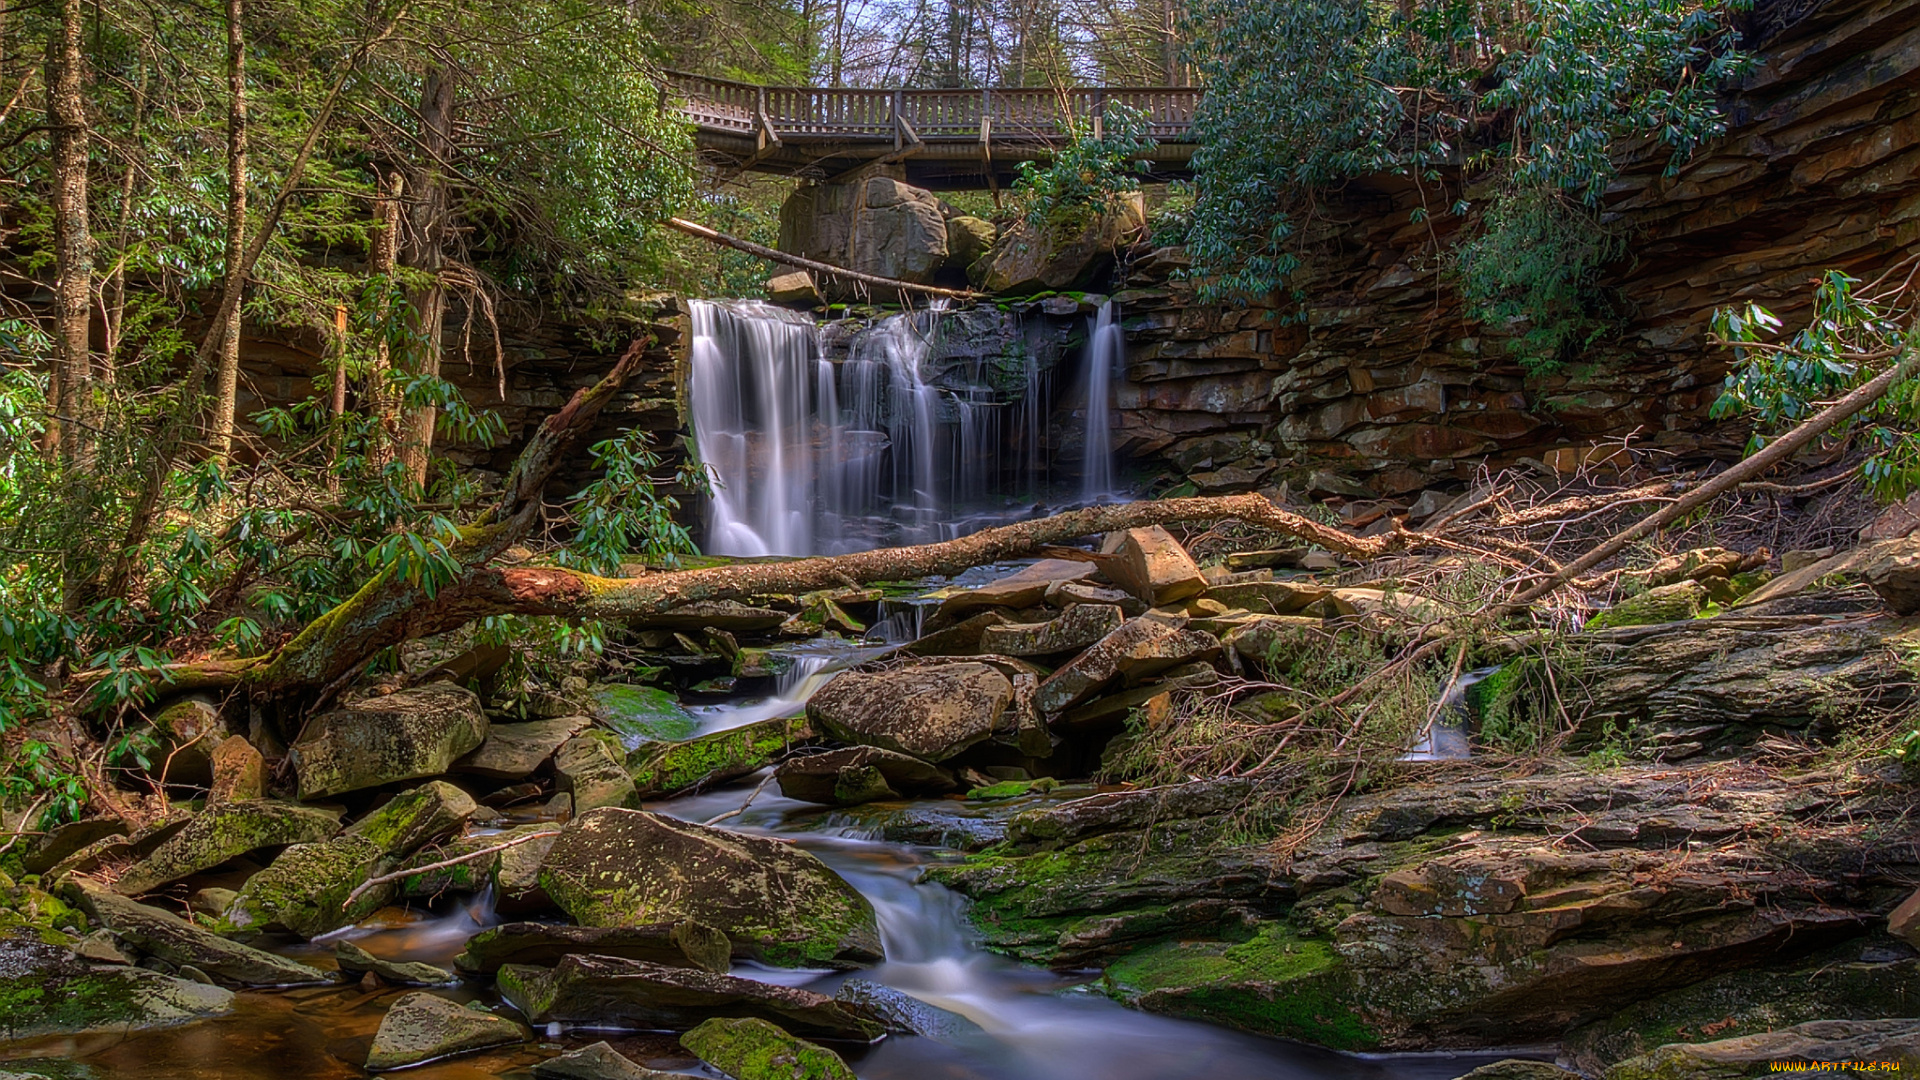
x=415, y=871
x=714, y=236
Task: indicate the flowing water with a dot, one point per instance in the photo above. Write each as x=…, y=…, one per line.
x=896, y=443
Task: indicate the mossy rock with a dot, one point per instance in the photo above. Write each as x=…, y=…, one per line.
x=168, y=937
x=775, y=902
x=716, y=758
x=640, y=714
x=1275, y=984
x=45, y=989
x=634, y=994
x=422, y=1027
x=223, y=832
x=752, y=1049
x=515, y=871
x=1667, y=603
x=1846, y=1048
x=403, y=736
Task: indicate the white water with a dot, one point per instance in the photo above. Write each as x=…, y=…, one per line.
x=809, y=456
x=1106, y=350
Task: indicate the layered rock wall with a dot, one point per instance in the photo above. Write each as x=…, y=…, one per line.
x=1380, y=369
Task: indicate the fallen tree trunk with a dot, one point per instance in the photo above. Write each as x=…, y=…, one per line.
x=761, y=251
x=335, y=648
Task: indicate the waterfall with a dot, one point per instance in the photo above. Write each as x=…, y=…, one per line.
x=752, y=373
x=922, y=426
x=1106, y=350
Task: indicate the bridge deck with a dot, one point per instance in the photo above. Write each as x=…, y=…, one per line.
x=944, y=139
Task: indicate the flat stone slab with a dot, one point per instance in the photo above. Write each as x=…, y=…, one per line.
x=1075, y=628
x=516, y=751
x=171, y=938
x=355, y=960
x=634, y=993
x=930, y=712
x=681, y=944
x=599, y=1061
x=223, y=832
x=839, y=777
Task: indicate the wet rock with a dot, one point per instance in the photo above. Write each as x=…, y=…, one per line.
x=751, y=1049
x=1076, y=628
x=680, y=944
x=513, y=872
x=775, y=902
x=1520, y=1069
x=591, y=767
x=516, y=751
x=403, y=736
x=239, y=772
x=422, y=1027
x=640, y=714
x=305, y=890
x=1890, y=1041
x=716, y=758
x=1153, y=566
x=930, y=712
x=47, y=989
x=903, y=1012
x=164, y=935
x=603, y=989
x=223, y=832
x=847, y=777
x=211, y=901
x=354, y=960
x=1892, y=569
x=1086, y=674
x=598, y=1061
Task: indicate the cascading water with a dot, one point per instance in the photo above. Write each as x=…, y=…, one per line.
x=1106, y=350
x=752, y=367
x=906, y=439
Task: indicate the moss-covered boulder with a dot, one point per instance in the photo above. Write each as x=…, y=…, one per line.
x=223, y=832
x=591, y=767
x=1075, y=628
x=903, y=1012
x=716, y=758
x=641, y=714
x=597, y=1061
x=1664, y=603
x=403, y=736
x=422, y=1027
x=1851, y=1048
x=1066, y=251
x=513, y=872
x=305, y=890
x=47, y=989
x=680, y=944
x=931, y=713
x=752, y=1049
x=1277, y=983
x=165, y=936
x=634, y=993
x=775, y=902
x=858, y=774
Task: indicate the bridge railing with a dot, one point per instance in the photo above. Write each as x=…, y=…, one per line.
x=1038, y=114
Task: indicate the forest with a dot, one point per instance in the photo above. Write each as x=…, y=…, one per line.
x=992, y=538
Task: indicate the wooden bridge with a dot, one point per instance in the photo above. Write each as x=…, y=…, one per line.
x=942, y=139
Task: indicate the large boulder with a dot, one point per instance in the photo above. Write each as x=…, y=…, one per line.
x=1892, y=569
x=775, y=902
x=422, y=1027
x=681, y=944
x=858, y=774
x=166, y=936
x=640, y=714
x=223, y=832
x=968, y=238
x=305, y=890
x=930, y=713
x=1075, y=628
x=46, y=988
x=516, y=751
x=402, y=736
x=1066, y=251
x=876, y=226
x=597, y=1061
x=1149, y=563
x=607, y=990
x=1892, y=1046
x=751, y=1049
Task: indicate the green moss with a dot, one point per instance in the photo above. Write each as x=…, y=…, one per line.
x=713, y=758
x=1012, y=789
x=753, y=1049
x=1275, y=984
x=640, y=714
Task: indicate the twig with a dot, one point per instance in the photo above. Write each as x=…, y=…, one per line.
x=441, y=865
x=742, y=808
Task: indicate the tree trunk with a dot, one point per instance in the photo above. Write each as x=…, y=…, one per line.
x=70, y=395
x=226, y=386
x=424, y=249
x=382, y=401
